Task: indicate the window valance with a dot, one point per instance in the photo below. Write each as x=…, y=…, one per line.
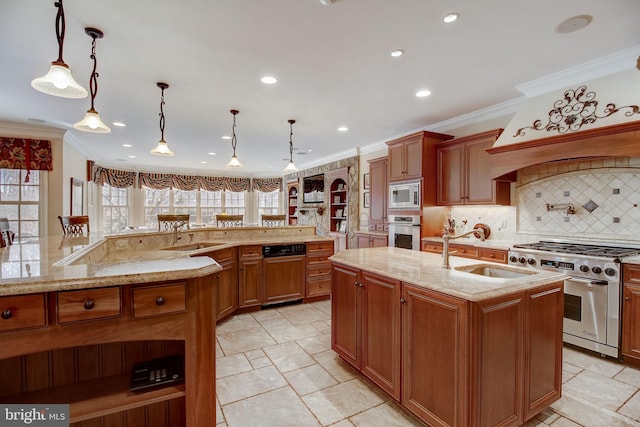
x=266, y=185
x=114, y=177
x=28, y=154
x=237, y=184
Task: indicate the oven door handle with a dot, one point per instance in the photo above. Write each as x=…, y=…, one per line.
x=589, y=281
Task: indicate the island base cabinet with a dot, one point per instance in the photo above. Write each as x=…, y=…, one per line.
x=345, y=310
x=434, y=356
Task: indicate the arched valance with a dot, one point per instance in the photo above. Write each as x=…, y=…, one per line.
x=113, y=177
x=266, y=184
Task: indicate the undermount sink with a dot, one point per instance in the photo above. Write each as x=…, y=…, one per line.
x=192, y=246
x=496, y=271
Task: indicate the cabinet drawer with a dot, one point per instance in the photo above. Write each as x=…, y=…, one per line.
x=495, y=255
x=432, y=247
x=157, y=300
x=465, y=251
x=319, y=269
x=24, y=311
x=88, y=304
x=318, y=286
x=319, y=246
x=315, y=259
x=250, y=251
x=223, y=255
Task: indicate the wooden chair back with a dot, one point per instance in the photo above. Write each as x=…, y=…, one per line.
x=74, y=225
x=229, y=220
x=6, y=235
x=273, y=220
x=167, y=222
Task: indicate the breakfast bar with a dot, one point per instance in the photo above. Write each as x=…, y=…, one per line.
x=479, y=344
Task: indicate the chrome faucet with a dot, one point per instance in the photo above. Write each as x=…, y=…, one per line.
x=445, y=246
x=176, y=237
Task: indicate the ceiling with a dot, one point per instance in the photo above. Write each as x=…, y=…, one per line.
x=333, y=66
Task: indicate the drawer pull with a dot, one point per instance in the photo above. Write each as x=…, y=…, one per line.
x=159, y=301
x=7, y=314
x=89, y=304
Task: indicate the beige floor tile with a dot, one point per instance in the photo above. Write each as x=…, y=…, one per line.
x=588, y=414
x=310, y=379
x=630, y=376
x=237, y=323
x=564, y=422
x=255, y=354
x=299, y=315
x=323, y=306
x=631, y=408
x=247, y=384
x=343, y=423
x=386, y=415
x=261, y=362
x=292, y=333
x=288, y=356
x=277, y=408
x=342, y=401
x=600, y=390
x=338, y=369
x=322, y=327
x=276, y=323
x=231, y=365
x=590, y=361
x=266, y=314
x=219, y=415
x=317, y=344
x=248, y=339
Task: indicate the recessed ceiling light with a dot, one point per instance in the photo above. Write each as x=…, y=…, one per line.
x=397, y=52
x=132, y=156
x=269, y=80
x=212, y=153
x=422, y=93
x=326, y=3
x=309, y=150
x=119, y=124
x=226, y=137
x=203, y=162
x=127, y=145
x=450, y=18
x=574, y=23
x=343, y=129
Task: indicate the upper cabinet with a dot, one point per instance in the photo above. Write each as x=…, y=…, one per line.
x=378, y=194
x=464, y=172
x=414, y=157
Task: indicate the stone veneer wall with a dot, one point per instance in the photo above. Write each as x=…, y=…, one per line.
x=604, y=192
x=322, y=222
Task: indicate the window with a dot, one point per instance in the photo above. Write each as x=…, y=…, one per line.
x=20, y=201
x=115, y=209
x=268, y=203
x=155, y=202
x=233, y=203
x=185, y=202
x=210, y=205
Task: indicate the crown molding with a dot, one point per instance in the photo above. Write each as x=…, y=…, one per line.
x=20, y=130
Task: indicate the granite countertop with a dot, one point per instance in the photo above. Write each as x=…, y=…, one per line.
x=373, y=233
x=59, y=263
x=425, y=269
x=472, y=241
x=631, y=260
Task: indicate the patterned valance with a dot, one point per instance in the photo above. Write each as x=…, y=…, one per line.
x=212, y=183
x=28, y=154
x=266, y=185
x=237, y=184
x=113, y=177
x=157, y=181
x=186, y=182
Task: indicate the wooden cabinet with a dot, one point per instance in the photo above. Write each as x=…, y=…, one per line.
x=293, y=188
x=468, y=251
x=227, y=301
x=493, y=255
x=631, y=313
x=151, y=301
x=88, y=304
x=366, y=325
x=464, y=172
x=414, y=157
x=283, y=278
x=367, y=240
x=249, y=276
x=378, y=194
x=319, y=269
x=23, y=311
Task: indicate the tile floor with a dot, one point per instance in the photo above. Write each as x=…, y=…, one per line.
x=275, y=367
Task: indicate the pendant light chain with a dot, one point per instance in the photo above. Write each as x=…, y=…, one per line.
x=93, y=81
x=162, y=120
x=234, y=140
x=291, y=122
x=60, y=28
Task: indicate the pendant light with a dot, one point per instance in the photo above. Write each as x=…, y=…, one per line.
x=91, y=121
x=59, y=81
x=162, y=149
x=291, y=167
x=234, y=162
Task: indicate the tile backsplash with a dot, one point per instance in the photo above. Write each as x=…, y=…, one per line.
x=605, y=195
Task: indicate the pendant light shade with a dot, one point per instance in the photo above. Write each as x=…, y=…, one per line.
x=162, y=149
x=291, y=167
x=234, y=162
x=91, y=121
x=59, y=81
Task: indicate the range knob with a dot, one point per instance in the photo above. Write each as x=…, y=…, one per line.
x=531, y=261
x=584, y=268
x=513, y=259
x=596, y=269
x=610, y=271
x=522, y=260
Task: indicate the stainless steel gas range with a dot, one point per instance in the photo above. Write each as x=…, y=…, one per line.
x=592, y=292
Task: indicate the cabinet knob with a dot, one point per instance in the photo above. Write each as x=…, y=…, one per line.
x=403, y=301
x=217, y=276
x=625, y=298
x=89, y=304
x=159, y=301
x=7, y=314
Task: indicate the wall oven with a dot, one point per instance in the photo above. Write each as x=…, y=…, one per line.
x=404, y=231
x=404, y=195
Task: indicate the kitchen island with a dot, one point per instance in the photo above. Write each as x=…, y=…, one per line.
x=476, y=345
x=79, y=312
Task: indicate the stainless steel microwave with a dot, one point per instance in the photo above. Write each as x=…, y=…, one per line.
x=404, y=195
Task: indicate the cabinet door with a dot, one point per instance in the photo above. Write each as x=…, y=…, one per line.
x=284, y=278
x=250, y=282
x=413, y=159
x=379, y=241
x=378, y=191
x=345, y=306
x=363, y=240
x=396, y=162
x=631, y=320
x=480, y=188
x=381, y=332
x=434, y=356
x=227, y=290
x=450, y=175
